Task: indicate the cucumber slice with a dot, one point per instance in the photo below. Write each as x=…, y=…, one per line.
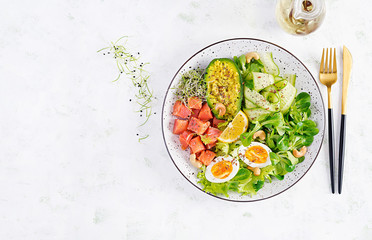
x=273, y=98
x=287, y=95
x=249, y=104
x=256, y=114
x=262, y=80
x=291, y=78
x=281, y=84
x=269, y=64
x=278, y=78
x=258, y=99
x=271, y=88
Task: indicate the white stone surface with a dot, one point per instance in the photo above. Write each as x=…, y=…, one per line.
x=70, y=163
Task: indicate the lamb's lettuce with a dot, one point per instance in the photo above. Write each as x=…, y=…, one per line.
x=222, y=149
x=247, y=137
x=284, y=133
x=299, y=131
x=244, y=181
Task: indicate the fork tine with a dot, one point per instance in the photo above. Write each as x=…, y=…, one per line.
x=322, y=63
x=330, y=60
x=326, y=61
x=334, y=61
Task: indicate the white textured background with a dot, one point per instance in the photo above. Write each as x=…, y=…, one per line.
x=70, y=163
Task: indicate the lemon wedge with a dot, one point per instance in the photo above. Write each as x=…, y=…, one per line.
x=238, y=126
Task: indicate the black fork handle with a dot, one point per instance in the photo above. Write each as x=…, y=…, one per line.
x=331, y=148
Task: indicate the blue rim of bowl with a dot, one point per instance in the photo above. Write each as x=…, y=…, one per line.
x=166, y=94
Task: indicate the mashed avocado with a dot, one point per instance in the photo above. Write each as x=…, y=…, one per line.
x=224, y=85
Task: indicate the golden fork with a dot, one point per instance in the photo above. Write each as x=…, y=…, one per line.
x=328, y=77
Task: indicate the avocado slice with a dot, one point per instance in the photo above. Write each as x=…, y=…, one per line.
x=224, y=85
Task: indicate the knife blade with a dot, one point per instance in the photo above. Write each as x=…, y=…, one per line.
x=348, y=62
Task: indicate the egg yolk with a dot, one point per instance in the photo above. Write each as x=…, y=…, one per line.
x=222, y=169
x=256, y=154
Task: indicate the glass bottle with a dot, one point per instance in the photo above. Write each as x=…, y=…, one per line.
x=300, y=17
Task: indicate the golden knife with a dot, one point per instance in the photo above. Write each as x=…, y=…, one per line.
x=348, y=62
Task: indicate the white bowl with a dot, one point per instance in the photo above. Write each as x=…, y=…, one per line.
x=287, y=63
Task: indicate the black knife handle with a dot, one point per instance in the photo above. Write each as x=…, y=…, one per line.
x=331, y=146
x=341, y=152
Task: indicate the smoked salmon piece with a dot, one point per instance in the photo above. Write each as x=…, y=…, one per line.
x=185, y=139
x=206, y=157
x=180, y=126
x=205, y=113
x=194, y=102
x=212, y=134
x=198, y=126
x=180, y=110
x=196, y=145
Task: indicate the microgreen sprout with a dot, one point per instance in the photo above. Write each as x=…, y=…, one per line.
x=130, y=65
x=192, y=84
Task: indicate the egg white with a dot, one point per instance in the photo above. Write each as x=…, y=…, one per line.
x=235, y=165
x=242, y=156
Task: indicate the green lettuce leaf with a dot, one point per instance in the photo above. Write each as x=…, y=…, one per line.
x=244, y=182
x=222, y=149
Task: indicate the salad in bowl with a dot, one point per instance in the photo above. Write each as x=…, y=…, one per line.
x=241, y=124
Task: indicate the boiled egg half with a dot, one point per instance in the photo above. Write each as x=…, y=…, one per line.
x=255, y=155
x=222, y=169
